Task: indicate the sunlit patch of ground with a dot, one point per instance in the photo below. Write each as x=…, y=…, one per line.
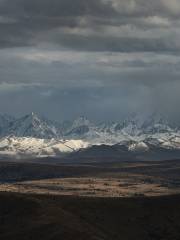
x=92, y=187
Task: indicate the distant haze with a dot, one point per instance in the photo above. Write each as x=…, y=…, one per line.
x=102, y=59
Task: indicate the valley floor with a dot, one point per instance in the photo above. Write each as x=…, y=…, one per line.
x=125, y=186
x=123, y=179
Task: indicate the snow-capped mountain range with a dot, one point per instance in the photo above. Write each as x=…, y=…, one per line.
x=37, y=135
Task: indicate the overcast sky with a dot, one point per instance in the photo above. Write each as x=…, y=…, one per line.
x=98, y=58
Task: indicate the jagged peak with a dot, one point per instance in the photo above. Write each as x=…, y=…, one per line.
x=82, y=120
x=149, y=118
x=32, y=114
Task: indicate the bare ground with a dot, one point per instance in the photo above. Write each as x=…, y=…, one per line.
x=93, y=187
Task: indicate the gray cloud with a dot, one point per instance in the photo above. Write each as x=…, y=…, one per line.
x=97, y=103
x=67, y=69
x=100, y=58
x=86, y=25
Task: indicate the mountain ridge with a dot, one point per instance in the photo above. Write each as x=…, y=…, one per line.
x=34, y=125
x=37, y=135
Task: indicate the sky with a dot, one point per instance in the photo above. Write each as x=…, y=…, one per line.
x=103, y=59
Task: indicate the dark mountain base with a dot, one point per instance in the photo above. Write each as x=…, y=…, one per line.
x=118, y=153
x=26, y=217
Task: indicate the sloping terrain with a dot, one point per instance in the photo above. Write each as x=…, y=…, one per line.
x=37, y=136
x=121, y=152
x=26, y=217
x=135, y=127
x=22, y=147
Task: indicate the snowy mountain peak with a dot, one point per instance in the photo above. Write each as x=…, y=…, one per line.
x=136, y=132
x=32, y=116
x=32, y=125
x=133, y=127
x=81, y=121
x=79, y=128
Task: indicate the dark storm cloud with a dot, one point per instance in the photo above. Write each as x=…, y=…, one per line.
x=93, y=102
x=56, y=8
x=61, y=22
x=117, y=44
x=67, y=69
x=97, y=103
x=33, y=17
x=101, y=58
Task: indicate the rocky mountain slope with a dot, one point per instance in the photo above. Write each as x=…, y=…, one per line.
x=37, y=135
x=23, y=146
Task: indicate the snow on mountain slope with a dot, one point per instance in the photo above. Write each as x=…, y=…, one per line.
x=135, y=127
x=33, y=134
x=79, y=128
x=39, y=147
x=33, y=126
x=138, y=146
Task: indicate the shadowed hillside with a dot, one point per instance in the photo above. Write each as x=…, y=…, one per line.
x=26, y=217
